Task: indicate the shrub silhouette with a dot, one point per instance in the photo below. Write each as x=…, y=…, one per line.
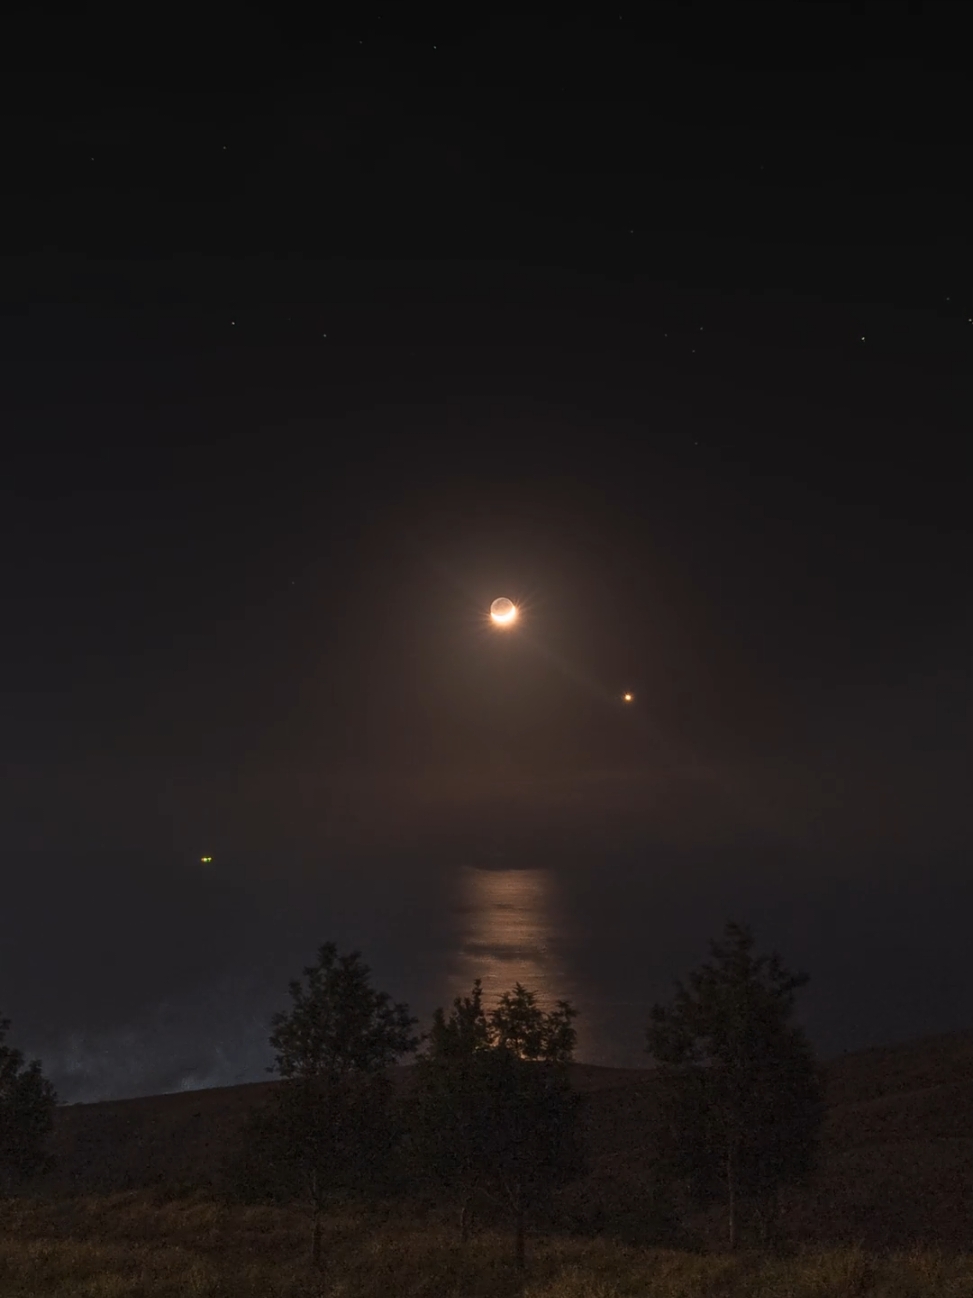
x=495, y=1109
x=27, y=1101
x=330, y=1128
x=741, y=1099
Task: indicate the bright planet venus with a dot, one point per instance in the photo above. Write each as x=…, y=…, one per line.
x=503, y=611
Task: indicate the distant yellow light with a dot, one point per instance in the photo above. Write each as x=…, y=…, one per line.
x=205, y=859
x=628, y=698
x=503, y=611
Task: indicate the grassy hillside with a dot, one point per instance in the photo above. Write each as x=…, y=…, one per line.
x=896, y=1166
x=136, y=1245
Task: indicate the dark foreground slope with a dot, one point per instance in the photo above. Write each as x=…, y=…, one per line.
x=896, y=1165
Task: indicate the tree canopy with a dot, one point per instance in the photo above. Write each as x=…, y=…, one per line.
x=338, y=1023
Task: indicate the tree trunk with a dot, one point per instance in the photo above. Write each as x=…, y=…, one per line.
x=520, y=1230
x=315, y=1222
x=769, y=1218
x=466, y=1218
x=731, y=1200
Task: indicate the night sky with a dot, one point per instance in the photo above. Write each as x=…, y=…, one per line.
x=314, y=342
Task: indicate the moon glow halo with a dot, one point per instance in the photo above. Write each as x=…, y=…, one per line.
x=503, y=612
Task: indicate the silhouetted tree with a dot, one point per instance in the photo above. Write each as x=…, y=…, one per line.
x=741, y=1090
x=332, y=1119
x=27, y=1101
x=496, y=1110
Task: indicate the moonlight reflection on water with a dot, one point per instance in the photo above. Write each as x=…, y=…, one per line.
x=507, y=926
x=513, y=926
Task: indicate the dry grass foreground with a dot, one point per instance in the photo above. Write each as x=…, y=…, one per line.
x=116, y=1246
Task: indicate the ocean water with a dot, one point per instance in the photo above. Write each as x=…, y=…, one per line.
x=179, y=993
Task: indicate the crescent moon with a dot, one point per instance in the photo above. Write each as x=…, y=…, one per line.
x=503, y=611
